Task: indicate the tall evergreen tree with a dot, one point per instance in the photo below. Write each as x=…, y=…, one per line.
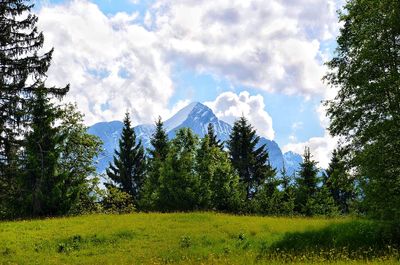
x=22, y=71
x=212, y=137
x=366, y=110
x=158, y=153
x=250, y=161
x=307, y=184
x=339, y=182
x=128, y=169
x=42, y=182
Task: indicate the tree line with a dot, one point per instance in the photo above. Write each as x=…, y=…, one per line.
x=190, y=173
x=46, y=154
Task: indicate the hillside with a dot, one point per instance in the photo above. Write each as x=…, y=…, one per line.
x=195, y=238
x=195, y=116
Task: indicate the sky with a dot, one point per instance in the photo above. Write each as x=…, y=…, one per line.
x=261, y=59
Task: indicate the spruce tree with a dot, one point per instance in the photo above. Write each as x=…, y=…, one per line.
x=339, y=182
x=158, y=153
x=128, y=169
x=42, y=182
x=250, y=161
x=22, y=71
x=307, y=184
x=212, y=137
x=288, y=193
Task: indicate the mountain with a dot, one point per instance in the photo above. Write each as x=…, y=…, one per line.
x=292, y=162
x=195, y=116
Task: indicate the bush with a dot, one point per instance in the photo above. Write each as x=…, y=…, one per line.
x=117, y=201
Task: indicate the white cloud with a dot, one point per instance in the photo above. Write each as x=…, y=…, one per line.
x=229, y=106
x=272, y=45
x=112, y=63
x=320, y=147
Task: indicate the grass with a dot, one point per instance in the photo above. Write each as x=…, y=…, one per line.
x=196, y=238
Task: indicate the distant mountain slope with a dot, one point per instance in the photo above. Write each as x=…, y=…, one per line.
x=195, y=116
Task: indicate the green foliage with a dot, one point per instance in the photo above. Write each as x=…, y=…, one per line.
x=129, y=167
x=219, y=182
x=179, y=182
x=160, y=148
x=117, y=201
x=43, y=183
x=22, y=72
x=250, y=161
x=212, y=137
x=77, y=153
x=340, y=183
x=311, y=198
x=307, y=185
x=366, y=110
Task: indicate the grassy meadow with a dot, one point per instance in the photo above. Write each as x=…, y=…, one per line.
x=195, y=238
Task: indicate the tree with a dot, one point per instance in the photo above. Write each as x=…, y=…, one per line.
x=212, y=137
x=218, y=180
x=158, y=154
x=42, y=182
x=250, y=161
x=306, y=184
x=128, y=169
x=289, y=193
x=179, y=181
x=22, y=71
x=339, y=182
x=77, y=152
x=366, y=110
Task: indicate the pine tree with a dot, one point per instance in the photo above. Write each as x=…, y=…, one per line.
x=128, y=169
x=289, y=195
x=307, y=184
x=339, y=182
x=213, y=140
x=250, y=161
x=22, y=71
x=158, y=154
x=42, y=182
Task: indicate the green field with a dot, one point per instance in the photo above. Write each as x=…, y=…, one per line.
x=193, y=238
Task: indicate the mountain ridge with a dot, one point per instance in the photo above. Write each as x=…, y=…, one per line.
x=195, y=116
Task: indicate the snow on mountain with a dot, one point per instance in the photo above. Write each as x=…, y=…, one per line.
x=195, y=116
x=292, y=162
x=198, y=119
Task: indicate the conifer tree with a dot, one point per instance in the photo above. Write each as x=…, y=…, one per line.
x=339, y=182
x=158, y=154
x=128, y=169
x=212, y=137
x=42, y=182
x=22, y=71
x=250, y=161
x=289, y=195
x=307, y=184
